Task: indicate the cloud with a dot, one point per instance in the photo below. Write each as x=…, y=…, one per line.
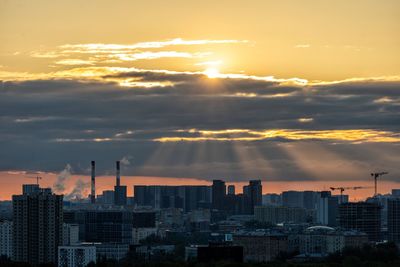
x=183, y=124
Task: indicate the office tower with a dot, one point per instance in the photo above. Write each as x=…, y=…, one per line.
x=6, y=238
x=119, y=190
x=362, y=216
x=37, y=226
x=231, y=189
x=292, y=199
x=218, y=194
x=93, y=183
x=254, y=192
x=327, y=209
x=77, y=255
x=393, y=220
x=70, y=234
x=309, y=199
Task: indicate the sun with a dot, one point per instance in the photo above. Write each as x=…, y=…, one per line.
x=212, y=72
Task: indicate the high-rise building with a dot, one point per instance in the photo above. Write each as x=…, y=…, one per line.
x=254, y=192
x=218, y=194
x=37, y=226
x=70, y=234
x=163, y=197
x=6, y=238
x=293, y=199
x=309, y=199
x=362, y=216
x=327, y=209
x=393, y=220
x=231, y=189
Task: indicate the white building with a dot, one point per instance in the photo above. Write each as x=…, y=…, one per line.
x=6, y=238
x=70, y=234
x=76, y=256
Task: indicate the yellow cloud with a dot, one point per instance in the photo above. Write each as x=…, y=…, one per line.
x=354, y=135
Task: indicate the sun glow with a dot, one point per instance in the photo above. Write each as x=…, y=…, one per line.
x=212, y=72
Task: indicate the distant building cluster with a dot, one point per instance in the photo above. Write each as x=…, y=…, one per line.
x=40, y=227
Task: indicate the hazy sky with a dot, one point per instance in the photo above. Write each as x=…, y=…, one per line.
x=278, y=90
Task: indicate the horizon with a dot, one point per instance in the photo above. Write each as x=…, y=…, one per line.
x=288, y=91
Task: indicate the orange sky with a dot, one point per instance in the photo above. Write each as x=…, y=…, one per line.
x=11, y=183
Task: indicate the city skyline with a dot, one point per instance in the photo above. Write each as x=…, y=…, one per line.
x=294, y=93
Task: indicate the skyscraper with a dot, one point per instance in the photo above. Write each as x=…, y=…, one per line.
x=254, y=192
x=218, y=194
x=394, y=220
x=37, y=226
x=362, y=216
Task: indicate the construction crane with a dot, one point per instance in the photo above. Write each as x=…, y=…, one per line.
x=342, y=189
x=37, y=179
x=376, y=175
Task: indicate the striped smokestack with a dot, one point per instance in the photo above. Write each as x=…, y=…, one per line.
x=118, y=178
x=93, y=184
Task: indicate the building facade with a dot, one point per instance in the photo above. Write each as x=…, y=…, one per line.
x=6, y=234
x=361, y=216
x=37, y=226
x=261, y=246
x=393, y=220
x=76, y=256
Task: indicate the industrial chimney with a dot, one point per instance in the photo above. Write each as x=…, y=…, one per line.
x=118, y=174
x=93, y=184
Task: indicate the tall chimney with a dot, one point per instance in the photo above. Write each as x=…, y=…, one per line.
x=118, y=174
x=93, y=184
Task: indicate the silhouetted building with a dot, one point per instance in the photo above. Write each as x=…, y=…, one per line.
x=254, y=192
x=37, y=226
x=394, y=220
x=162, y=197
x=218, y=194
x=120, y=195
x=231, y=189
x=272, y=199
x=108, y=226
x=102, y=226
x=362, y=216
x=293, y=199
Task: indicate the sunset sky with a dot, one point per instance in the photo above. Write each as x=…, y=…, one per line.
x=301, y=94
